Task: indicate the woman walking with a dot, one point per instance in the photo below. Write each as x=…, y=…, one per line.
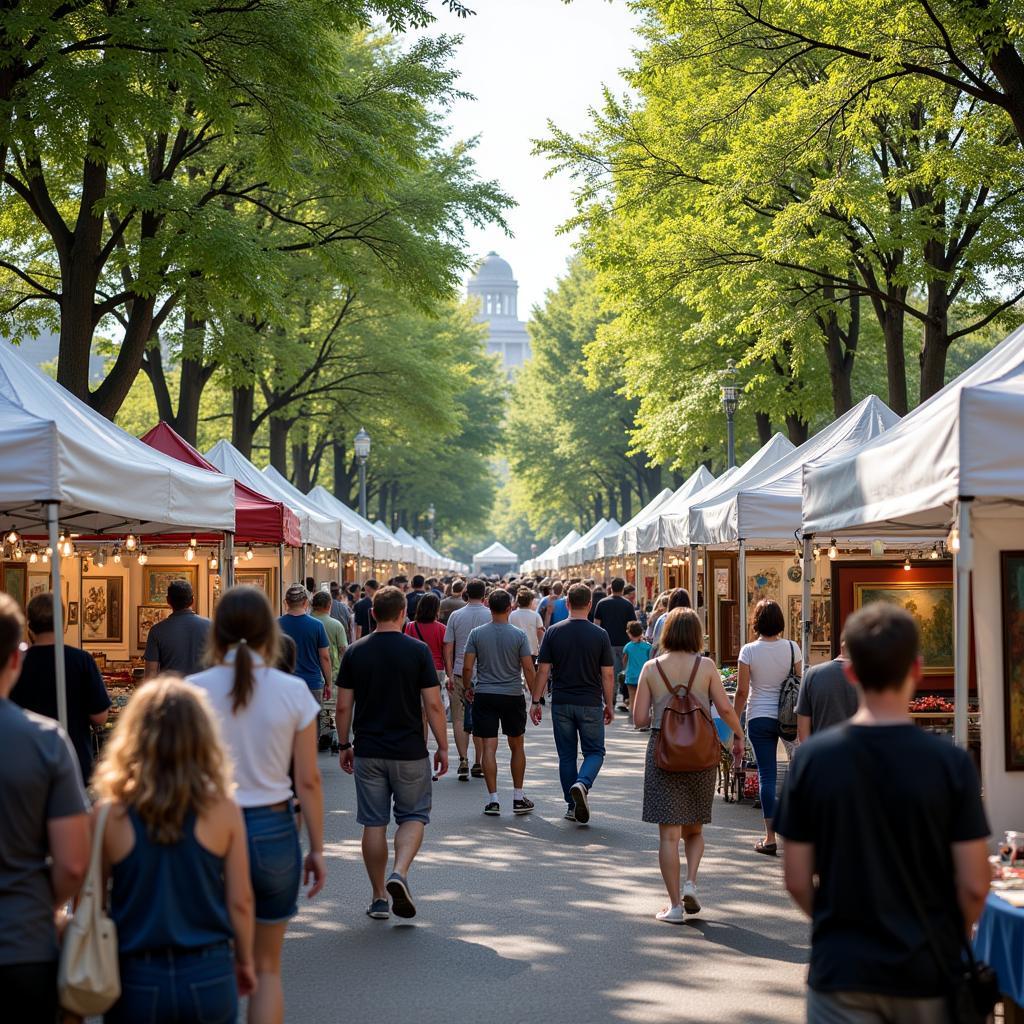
x=426, y=628
x=269, y=719
x=679, y=803
x=678, y=598
x=764, y=665
x=175, y=851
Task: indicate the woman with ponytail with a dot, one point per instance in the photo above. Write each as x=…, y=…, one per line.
x=268, y=719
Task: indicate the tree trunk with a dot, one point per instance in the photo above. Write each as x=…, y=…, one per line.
x=154, y=367
x=625, y=500
x=613, y=504
x=796, y=428
x=893, y=322
x=936, y=340
x=342, y=475
x=598, y=508
x=301, y=465
x=764, y=427
x=840, y=348
x=279, y=429
x=243, y=402
x=194, y=378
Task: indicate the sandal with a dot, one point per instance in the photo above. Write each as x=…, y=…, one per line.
x=768, y=849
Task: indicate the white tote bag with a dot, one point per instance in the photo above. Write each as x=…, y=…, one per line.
x=89, y=980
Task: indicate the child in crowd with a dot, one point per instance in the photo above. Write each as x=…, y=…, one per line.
x=637, y=652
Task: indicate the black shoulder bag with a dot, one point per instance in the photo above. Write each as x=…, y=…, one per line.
x=973, y=989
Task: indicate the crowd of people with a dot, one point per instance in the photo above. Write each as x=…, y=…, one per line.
x=200, y=795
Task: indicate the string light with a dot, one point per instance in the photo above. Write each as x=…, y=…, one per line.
x=906, y=564
x=249, y=553
x=143, y=557
x=130, y=542
x=12, y=538
x=33, y=557
x=117, y=555
x=18, y=553
x=65, y=547
x=953, y=540
x=934, y=553
x=190, y=554
x=213, y=562
x=101, y=558
x=44, y=558
x=833, y=549
x=816, y=552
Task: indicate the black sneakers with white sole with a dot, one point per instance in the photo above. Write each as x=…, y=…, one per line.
x=579, y=795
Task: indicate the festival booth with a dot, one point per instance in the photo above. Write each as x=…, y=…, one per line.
x=547, y=560
x=594, y=563
x=79, y=497
x=378, y=553
x=495, y=559
x=406, y=552
x=423, y=558
x=759, y=515
x=571, y=559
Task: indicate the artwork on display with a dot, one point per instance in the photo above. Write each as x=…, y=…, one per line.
x=38, y=583
x=930, y=604
x=826, y=585
x=821, y=620
x=102, y=609
x=147, y=616
x=1013, y=657
x=722, y=582
x=15, y=582
x=262, y=578
x=72, y=614
x=763, y=584
x=156, y=578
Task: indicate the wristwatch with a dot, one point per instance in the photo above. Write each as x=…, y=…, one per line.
x=537, y=703
x=344, y=746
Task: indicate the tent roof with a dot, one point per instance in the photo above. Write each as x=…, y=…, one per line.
x=54, y=447
x=406, y=552
x=258, y=519
x=965, y=441
x=314, y=527
x=593, y=549
x=766, y=506
x=650, y=533
x=495, y=554
x=373, y=541
x=348, y=536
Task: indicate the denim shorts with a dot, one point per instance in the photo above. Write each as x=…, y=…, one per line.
x=177, y=988
x=380, y=780
x=275, y=862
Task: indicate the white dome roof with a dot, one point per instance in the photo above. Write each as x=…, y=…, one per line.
x=494, y=268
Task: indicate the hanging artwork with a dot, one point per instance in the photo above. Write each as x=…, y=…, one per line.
x=763, y=584
x=38, y=583
x=147, y=616
x=156, y=579
x=1013, y=658
x=930, y=604
x=821, y=619
x=102, y=609
x=262, y=578
x=14, y=581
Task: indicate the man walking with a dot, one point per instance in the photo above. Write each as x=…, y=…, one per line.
x=900, y=856
x=385, y=683
x=340, y=610
x=500, y=654
x=452, y=603
x=44, y=839
x=578, y=656
x=456, y=632
x=613, y=614
x=313, y=649
x=179, y=642
x=337, y=640
x=362, y=612
x=827, y=697
x=413, y=597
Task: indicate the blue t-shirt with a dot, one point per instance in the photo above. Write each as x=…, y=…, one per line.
x=637, y=653
x=559, y=610
x=309, y=636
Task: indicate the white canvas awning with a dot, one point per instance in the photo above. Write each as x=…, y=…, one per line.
x=622, y=542
x=573, y=554
x=495, y=554
x=766, y=506
x=406, y=552
x=372, y=543
x=610, y=528
x=348, y=534
x=654, y=532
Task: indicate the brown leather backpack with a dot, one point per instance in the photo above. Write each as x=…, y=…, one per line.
x=688, y=740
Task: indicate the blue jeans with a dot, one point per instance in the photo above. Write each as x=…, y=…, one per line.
x=572, y=722
x=764, y=738
x=177, y=988
x=275, y=862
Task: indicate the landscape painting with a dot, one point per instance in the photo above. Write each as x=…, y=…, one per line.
x=930, y=605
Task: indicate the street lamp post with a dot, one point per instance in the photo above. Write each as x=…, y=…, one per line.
x=730, y=402
x=431, y=513
x=362, y=447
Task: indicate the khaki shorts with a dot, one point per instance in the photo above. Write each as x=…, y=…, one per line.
x=868, y=1008
x=458, y=700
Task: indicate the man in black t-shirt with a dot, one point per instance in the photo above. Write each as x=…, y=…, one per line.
x=890, y=820
x=578, y=657
x=613, y=614
x=362, y=611
x=386, y=682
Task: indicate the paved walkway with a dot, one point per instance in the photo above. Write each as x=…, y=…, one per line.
x=537, y=919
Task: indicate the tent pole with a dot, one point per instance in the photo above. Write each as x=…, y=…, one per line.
x=805, y=602
x=638, y=580
x=962, y=562
x=693, y=574
x=741, y=568
x=52, y=511
x=280, y=575
x=661, y=569
x=229, y=559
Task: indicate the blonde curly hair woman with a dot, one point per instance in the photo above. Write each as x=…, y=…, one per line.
x=175, y=850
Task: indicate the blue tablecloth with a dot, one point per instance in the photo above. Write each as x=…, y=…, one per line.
x=1000, y=943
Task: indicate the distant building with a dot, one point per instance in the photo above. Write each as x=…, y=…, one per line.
x=497, y=290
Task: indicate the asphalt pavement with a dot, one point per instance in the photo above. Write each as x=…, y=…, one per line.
x=534, y=918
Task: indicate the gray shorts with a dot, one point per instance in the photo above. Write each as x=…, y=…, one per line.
x=380, y=780
x=869, y=1008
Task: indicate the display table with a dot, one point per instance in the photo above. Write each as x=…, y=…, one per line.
x=1000, y=943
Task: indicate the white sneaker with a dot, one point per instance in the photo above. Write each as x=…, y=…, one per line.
x=690, y=902
x=671, y=915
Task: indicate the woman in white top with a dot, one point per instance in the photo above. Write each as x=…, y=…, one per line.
x=268, y=719
x=529, y=621
x=763, y=668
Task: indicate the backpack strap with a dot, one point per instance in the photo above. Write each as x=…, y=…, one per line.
x=674, y=690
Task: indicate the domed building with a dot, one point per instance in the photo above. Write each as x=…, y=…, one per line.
x=497, y=291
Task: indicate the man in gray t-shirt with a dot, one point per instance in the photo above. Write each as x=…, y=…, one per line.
x=826, y=698
x=500, y=655
x=178, y=644
x=44, y=838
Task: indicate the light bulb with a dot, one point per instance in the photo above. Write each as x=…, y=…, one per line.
x=953, y=540
x=249, y=553
x=117, y=556
x=130, y=542
x=45, y=558
x=143, y=557
x=18, y=553
x=101, y=557
x=190, y=554
x=49, y=552
x=816, y=552
x=934, y=554
x=67, y=549
x=34, y=557
x=192, y=542
x=906, y=564
x=235, y=561
x=12, y=537
x=833, y=549
x=213, y=563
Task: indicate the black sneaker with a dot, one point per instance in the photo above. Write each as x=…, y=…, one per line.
x=463, y=770
x=378, y=910
x=477, y=772
x=401, y=898
x=579, y=798
x=493, y=809
x=523, y=806
x=621, y=707
x=570, y=815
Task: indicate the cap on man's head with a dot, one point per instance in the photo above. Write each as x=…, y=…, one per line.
x=295, y=595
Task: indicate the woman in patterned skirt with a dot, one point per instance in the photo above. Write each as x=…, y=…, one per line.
x=679, y=803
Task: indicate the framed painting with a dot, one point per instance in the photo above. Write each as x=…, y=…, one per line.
x=1013, y=657
x=15, y=581
x=146, y=617
x=156, y=578
x=763, y=584
x=930, y=604
x=262, y=578
x=102, y=609
x=38, y=583
x=821, y=619
x=722, y=582
x=72, y=613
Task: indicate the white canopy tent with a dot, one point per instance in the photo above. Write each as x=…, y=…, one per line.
x=65, y=465
x=495, y=554
x=623, y=542
x=591, y=551
x=955, y=463
x=372, y=543
x=348, y=533
x=548, y=560
x=572, y=555
x=654, y=532
x=406, y=552
x=424, y=558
